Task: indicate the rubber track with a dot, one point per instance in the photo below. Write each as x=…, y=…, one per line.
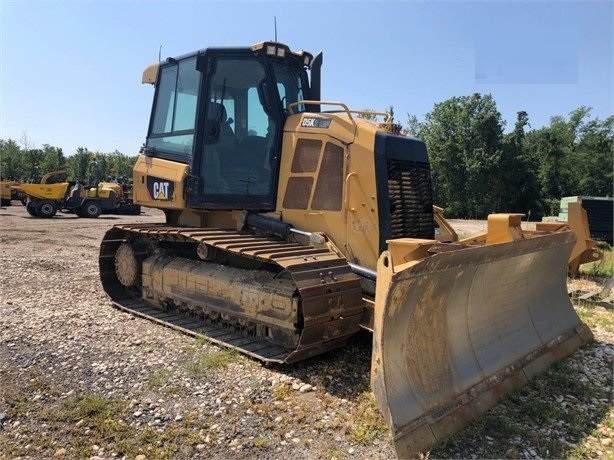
x=321, y=276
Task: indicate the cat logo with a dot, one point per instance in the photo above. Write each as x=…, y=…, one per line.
x=160, y=189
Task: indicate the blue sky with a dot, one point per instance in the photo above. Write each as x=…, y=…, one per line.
x=70, y=71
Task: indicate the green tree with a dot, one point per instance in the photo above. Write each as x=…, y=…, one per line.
x=120, y=165
x=575, y=155
x=77, y=164
x=93, y=167
x=464, y=136
x=33, y=158
x=518, y=184
x=11, y=161
x=592, y=158
x=52, y=160
x=30, y=164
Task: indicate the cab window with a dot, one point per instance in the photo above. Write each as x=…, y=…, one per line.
x=173, y=124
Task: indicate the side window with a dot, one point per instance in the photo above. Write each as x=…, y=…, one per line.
x=165, y=102
x=175, y=108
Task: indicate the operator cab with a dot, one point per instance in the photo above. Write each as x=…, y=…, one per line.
x=222, y=111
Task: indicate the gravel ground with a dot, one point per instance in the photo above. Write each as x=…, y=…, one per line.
x=80, y=379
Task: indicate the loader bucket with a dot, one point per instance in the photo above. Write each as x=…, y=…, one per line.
x=458, y=330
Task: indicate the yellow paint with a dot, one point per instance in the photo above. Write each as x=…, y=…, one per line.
x=354, y=228
x=162, y=169
x=46, y=191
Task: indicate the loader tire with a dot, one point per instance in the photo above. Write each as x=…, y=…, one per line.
x=31, y=208
x=90, y=209
x=46, y=209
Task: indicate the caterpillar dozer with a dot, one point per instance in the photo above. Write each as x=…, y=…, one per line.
x=293, y=223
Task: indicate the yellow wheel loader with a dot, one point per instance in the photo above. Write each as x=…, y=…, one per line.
x=45, y=199
x=292, y=224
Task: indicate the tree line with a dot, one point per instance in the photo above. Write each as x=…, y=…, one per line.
x=477, y=168
x=25, y=163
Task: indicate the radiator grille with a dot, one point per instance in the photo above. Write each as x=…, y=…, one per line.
x=410, y=197
x=599, y=213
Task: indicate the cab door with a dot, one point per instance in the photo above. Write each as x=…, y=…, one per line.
x=237, y=153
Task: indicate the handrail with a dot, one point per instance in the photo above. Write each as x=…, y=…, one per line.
x=343, y=106
x=347, y=190
x=386, y=115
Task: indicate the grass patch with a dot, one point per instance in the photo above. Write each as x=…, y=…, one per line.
x=596, y=318
x=160, y=378
x=603, y=267
x=103, y=416
x=262, y=442
x=90, y=407
x=86, y=419
x=202, y=342
x=563, y=378
x=282, y=392
x=19, y=398
x=332, y=452
x=367, y=422
x=206, y=362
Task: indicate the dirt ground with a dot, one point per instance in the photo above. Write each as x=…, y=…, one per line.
x=80, y=379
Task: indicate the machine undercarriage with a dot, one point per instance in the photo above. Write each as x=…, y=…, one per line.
x=298, y=300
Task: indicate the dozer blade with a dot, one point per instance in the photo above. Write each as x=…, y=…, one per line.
x=458, y=330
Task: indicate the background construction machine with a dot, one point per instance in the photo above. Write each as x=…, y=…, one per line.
x=9, y=191
x=45, y=199
x=599, y=214
x=289, y=229
x=122, y=190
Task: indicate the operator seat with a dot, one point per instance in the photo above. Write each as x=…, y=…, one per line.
x=217, y=125
x=74, y=195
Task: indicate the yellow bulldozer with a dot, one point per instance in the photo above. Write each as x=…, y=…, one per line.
x=290, y=228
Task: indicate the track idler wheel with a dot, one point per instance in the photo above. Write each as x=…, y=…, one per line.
x=128, y=264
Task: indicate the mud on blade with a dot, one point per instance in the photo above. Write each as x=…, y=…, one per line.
x=458, y=330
